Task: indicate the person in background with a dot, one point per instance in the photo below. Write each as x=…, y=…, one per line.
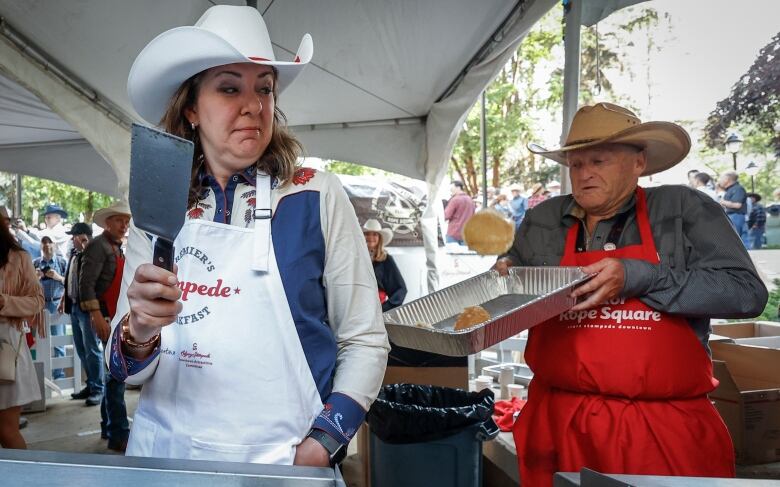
x=703, y=182
x=664, y=261
x=21, y=302
x=734, y=201
x=53, y=216
x=85, y=340
x=390, y=283
x=555, y=188
x=756, y=222
x=459, y=209
x=501, y=205
x=30, y=242
x=100, y=278
x=691, y=178
x=518, y=203
x=537, y=195
x=50, y=267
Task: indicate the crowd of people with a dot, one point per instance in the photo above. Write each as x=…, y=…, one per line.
x=60, y=274
x=745, y=211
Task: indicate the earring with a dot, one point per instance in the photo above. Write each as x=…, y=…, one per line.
x=193, y=125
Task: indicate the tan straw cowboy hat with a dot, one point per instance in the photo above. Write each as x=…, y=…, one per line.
x=118, y=208
x=665, y=143
x=373, y=225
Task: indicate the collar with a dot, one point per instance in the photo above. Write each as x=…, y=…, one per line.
x=574, y=212
x=247, y=176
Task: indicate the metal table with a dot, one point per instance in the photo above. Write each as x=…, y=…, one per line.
x=591, y=479
x=39, y=468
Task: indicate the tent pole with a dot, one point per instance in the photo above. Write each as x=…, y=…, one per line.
x=483, y=133
x=18, y=196
x=572, y=16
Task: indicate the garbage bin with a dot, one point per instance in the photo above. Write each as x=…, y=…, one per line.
x=429, y=436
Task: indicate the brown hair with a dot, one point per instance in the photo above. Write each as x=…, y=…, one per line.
x=8, y=242
x=380, y=255
x=279, y=160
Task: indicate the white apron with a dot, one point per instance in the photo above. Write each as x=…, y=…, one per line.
x=232, y=383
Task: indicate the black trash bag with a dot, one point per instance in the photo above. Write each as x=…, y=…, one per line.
x=409, y=413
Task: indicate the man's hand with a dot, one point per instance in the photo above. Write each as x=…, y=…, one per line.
x=52, y=274
x=605, y=285
x=61, y=306
x=100, y=325
x=502, y=265
x=311, y=453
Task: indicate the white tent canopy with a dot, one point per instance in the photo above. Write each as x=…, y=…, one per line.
x=389, y=86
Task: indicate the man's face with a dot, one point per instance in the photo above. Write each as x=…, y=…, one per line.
x=80, y=242
x=117, y=225
x=52, y=219
x=47, y=247
x=603, y=176
x=454, y=189
x=724, y=181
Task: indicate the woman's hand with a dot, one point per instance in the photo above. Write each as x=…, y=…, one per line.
x=311, y=453
x=154, y=301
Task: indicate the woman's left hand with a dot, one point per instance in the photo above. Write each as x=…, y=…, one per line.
x=310, y=453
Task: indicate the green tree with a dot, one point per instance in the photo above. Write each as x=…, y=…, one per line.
x=351, y=169
x=37, y=193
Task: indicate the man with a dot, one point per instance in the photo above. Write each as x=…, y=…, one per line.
x=85, y=340
x=99, y=281
x=51, y=272
x=518, y=203
x=28, y=240
x=756, y=222
x=53, y=216
x=459, y=210
x=621, y=381
x=703, y=182
x=692, y=178
x=734, y=201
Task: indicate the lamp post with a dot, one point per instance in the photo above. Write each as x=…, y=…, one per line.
x=752, y=169
x=733, y=144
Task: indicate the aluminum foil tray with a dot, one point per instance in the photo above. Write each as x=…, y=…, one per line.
x=526, y=297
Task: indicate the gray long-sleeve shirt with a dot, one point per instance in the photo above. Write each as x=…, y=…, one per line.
x=705, y=271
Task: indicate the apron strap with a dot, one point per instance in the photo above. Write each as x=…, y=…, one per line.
x=262, y=232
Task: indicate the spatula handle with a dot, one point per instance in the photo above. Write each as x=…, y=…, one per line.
x=163, y=254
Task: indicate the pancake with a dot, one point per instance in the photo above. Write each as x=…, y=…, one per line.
x=472, y=315
x=488, y=233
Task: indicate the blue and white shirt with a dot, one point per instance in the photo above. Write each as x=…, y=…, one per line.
x=328, y=280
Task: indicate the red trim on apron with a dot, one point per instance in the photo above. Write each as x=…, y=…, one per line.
x=621, y=388
x=111, y=295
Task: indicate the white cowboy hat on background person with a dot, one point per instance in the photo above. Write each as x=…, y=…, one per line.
x=515, y=187
x=118, y=208
x=665, y=143
x=373, y=225
x=224, y=34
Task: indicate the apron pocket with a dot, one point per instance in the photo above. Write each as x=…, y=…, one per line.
x=271, y=453
x=143, y=436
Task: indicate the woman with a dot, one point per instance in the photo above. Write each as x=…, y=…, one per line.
x=501, y=204
x=21, y=298
x=267, y=344
x=392, y=288
x=537, y=195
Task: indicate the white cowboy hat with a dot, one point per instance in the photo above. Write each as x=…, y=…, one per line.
x=665, y=143
x=373, y=225
x=118, y=208
x=224, y=34
x=515, y=187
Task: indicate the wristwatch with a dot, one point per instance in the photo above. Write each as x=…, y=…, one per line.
x=336, y=450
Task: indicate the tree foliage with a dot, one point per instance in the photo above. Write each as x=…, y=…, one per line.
x=754, y=100
x=37, y=193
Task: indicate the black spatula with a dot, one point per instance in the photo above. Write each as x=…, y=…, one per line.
x=160, y=170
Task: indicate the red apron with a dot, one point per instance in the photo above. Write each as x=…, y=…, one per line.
x=621, y=388
x=111, y=295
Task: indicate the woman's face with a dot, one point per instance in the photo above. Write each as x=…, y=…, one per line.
x=372, y=240
x=234, y=114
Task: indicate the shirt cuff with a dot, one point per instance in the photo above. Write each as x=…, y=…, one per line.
x=90, y=305
x=122, y=366
x=639, y=275
x=340, y=418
